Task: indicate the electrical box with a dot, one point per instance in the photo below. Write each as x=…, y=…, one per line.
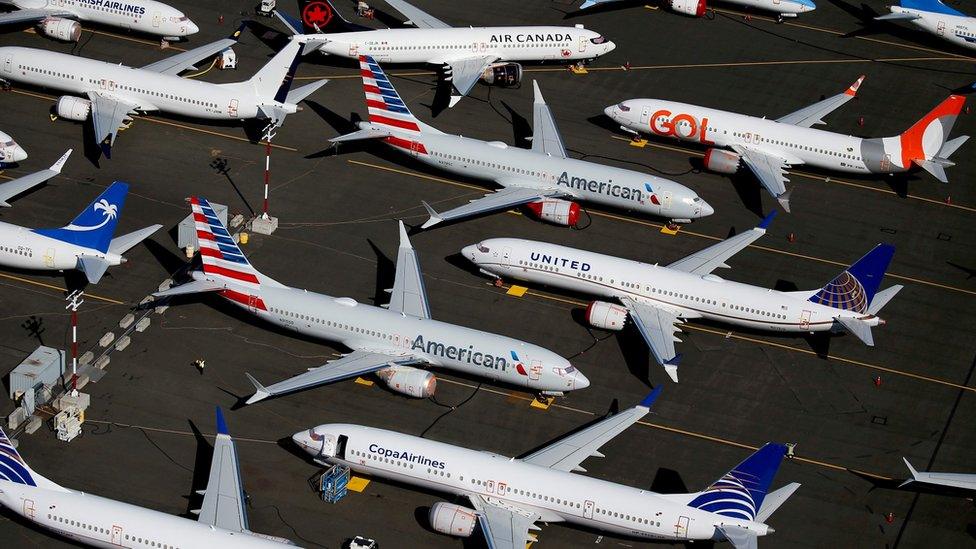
x=187, y=232
x=44, y=366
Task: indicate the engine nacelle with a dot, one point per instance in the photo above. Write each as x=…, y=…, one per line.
x=694, y=8
x=720, y=161
x=555, y=210
x=606, y=316
x=61, y=29
x=453, y=520
x=73, y=108
x=409, y=381
x=506, y=75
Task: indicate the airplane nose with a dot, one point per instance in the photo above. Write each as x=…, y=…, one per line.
x=610, y=47
x=610, y=111
x=580, y=381
x=302, y=440
x=18, y=153
x=191, y=28
x=706, y=209
x=468, y=252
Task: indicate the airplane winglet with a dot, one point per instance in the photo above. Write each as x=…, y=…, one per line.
x=764, y=224
x=4, y=204
x=784, y=200
x=649, y=399
x=435, y=218
x=852, y=91
x=454, y=100
x=911, y=470
x=404, y=239
x=260, y=393
x=671, y=367
x=221, y=424
x=56, y=167
x=537, y=94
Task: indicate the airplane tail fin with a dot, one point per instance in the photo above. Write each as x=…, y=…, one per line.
x=926, y=143
x=855, y=288
x=741, y=491
x=317, y=17
x=274, y=79
x=222, y=258
x=14, y=469
x=94, y=226
x=386, y=109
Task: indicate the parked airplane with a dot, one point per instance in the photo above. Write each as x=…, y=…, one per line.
x=544, y=178
x=114, y=92
x=10, y=151
x=388, y=341
x=962, y=483
x=696, y=8
x=467, y=54
x=59, y=19
x=85, y=244
x=99, y=522
x=936, y=18
x=510, y=495
x=656, y=297
x=769, y=147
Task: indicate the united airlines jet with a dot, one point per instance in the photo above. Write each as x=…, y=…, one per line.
x=467, y=54
x=544, y=179
x=99, y=522
x=389, y=341
x=655, y=297
x=509, y=495
x=934, y=17
x=58, y=19
x=770, y=147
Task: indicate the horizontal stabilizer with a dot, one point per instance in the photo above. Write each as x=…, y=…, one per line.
x=774, y=500
x=194, y=287
x=949, y=147
x=369, y=132
x=299, y=94
x=859, y=328
x=937, y=169
x=124, y=243
x=898, y=16
x=882, y=298
x=739, y=537
x=93, y=267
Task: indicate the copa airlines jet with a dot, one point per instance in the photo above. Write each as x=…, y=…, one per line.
x=544, y=178
x=387, y=341
x=936, y=18
x=85, y=244
x=10, y=151
x=113, y=92
x=509, y=495
x=99, y=522
x=59, y=18
x=697, y=8
x=656, y=297
x=467, y=54
x=770, y=147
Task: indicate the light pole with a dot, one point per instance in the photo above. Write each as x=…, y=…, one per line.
x=74, y=299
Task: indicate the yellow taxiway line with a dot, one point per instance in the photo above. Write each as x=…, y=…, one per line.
x=59, y=288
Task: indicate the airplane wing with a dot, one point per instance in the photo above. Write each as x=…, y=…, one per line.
x=186, y=60
x=465, y=73
x=408, y=296
x=416, y=16
x=567, y=453
x=500, y=200
x=504, y=525
x=223, y=499
x=770, y=170
x=545, y=134
x=17, y=186
x=714, y=256
x=964, y=481
x=813, y=114
x=108, y=113
x=29, y=16
x=656, y=325
x=354, y=364
x=898, y=16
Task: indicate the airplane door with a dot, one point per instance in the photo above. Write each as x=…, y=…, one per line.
x=157, y=17
x=8, y=65
x=506, y=255
x=116, y=535
x=666, y=203
x=645, y=115
x=49, y=257
x=588, y=509
x=535, y=372
x=805, y=319
x=941, y=28
x=415, y=147
x=354, y=50
x=252, y=303
x=886, y=163
x=582, y=44
x=490, y=486
x=681, y=528
x=232, y=108
x=29, y=508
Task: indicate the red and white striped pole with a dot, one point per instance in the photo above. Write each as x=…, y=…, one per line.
x=74, y=301
x=267, y=167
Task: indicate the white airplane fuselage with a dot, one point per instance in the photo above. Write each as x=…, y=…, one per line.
x=145, y=16
x=10, y=151
x=609, y=277
x=22, y=248
x=959, y=30
x=556, y=495
x=788, y=8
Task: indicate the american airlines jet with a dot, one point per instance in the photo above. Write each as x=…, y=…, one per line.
x=112, y=92
x=509, y=495
x=100, y=522
x=770, y=147
x=467, y=54
x=656, y=297
x=58, y=19
x=934, y=17
x=389, y=342
x=10, y=151
x=696, y=8
x=544, y=179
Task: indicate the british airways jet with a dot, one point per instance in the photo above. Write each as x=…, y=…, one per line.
x=656, y=297
x=389, y=341
x=10, y=151
x=936, y=18
x=100, y=522
x=544, y=179
x=468, y=54
x=59, y=19
x=509, y=495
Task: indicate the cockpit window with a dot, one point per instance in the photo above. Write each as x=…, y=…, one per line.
x=8, y=144
x=183, y=19
x=564, y=371
x=315, y=436
x=697, y=199
x=623, y=107
x=598, y=39
x=482, y=248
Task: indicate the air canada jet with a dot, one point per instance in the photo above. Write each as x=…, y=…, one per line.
x=389, y=341
x=10, y=151
x=59, y=19
x=936, y=18
x=509, y=495
x=656, y=298
x=99, y=522
x=544, y=179
x=770, y=147
x=112, y=92
x=467, y=54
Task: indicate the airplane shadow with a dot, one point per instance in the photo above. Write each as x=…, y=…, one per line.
x=385, y=275
x=201, y=471
x=969, y=271
x=459, y=261
x=602, y=8
x=521, y=128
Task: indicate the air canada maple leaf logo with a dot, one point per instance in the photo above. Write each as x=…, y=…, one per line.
x=317, y=14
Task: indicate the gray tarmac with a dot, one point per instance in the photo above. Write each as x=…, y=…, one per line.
x=337, y=235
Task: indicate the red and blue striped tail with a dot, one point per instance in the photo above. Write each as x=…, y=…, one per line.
x=386, y=108
x=220, y=254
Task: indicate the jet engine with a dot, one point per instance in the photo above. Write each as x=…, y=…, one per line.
x=694, y=8
x=555, y=210
x=606, y=316
x=73, y=108
x=61, y=29
x=453, y=520
x=721, y=161
x=506, y=75
x=409, y=381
